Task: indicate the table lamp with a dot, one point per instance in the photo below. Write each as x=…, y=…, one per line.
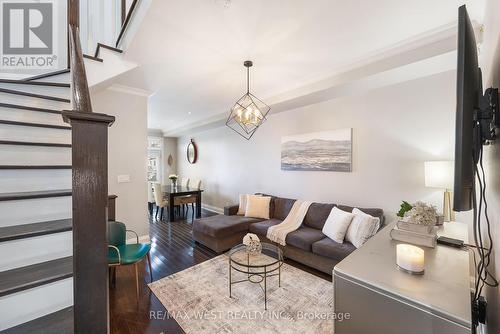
x=439, y=174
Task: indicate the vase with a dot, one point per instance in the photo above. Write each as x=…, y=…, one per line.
x=174, y=183
x=254, y=247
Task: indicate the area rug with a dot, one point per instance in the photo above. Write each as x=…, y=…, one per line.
x=198, y=299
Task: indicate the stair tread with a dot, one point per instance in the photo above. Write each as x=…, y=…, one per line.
x=35, y=167
x=35, y=83
x=93, y=58
x=46, y=75
x=28, y=143
x=37, y=125
x=101, y=45
x=34, y=194
x=18, y=106
x=35, y=229
x=39, y=96
x=60, y=322
x=19, y=279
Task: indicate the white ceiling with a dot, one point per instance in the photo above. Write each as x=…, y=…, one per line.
x=191, y=52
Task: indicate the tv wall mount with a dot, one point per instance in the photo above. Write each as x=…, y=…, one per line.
x=487, y=120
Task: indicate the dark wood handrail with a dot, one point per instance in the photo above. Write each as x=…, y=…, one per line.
x=80, y=96
x=126, y=22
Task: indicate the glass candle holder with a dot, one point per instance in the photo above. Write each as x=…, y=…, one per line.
x=410, y=259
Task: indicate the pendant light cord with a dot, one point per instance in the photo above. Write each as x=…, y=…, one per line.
x=248, y=80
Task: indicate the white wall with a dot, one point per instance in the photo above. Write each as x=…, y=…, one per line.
x=490, y=63
x=127, y=155
x=395, y=129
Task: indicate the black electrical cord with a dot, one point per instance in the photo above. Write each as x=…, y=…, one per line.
x=482, y=275
x=488, y=226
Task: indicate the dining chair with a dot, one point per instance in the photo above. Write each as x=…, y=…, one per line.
x=185, y=182
x=121, y=254
x=151, y=198
x=191, y=199
x=160, y=201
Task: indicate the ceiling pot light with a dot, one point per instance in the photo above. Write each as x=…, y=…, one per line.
x=249, y=112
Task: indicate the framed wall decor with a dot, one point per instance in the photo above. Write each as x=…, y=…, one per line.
x=192, y=152
x=318, y=151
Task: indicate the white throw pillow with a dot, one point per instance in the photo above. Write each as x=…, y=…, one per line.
x=242, y=208
x=362, y=228
x=258, y=206
x=336, y=224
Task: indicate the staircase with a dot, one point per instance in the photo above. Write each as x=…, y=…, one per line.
x=48, y=282
x=36, y=267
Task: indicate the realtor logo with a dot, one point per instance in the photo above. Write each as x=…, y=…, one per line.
x=27, y=35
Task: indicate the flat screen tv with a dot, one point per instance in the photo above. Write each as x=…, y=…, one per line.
x=469, y=89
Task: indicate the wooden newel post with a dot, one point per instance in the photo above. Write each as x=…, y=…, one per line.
x=90, y=198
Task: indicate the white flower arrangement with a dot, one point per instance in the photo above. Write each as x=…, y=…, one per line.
x=252, y=243
x=250, y=238
x=173, y=177
x=422, y=214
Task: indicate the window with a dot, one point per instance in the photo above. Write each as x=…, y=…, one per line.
x=155, y=166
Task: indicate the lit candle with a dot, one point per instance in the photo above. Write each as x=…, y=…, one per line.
x=410, y=258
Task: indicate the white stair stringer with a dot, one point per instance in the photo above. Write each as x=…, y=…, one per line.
x=102, y=74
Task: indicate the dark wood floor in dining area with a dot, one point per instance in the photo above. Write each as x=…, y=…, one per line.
x=173, y=250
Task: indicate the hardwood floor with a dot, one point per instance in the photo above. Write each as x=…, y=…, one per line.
x=173, y=250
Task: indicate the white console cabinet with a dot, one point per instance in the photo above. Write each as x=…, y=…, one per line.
x=382, y=299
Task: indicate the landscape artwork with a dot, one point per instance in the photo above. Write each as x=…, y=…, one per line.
x=318, y=151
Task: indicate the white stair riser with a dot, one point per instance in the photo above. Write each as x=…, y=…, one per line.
x=28, y=305
x=21, y=115
x=56, y=78
x=41, y=90
x=34, y=134
x=12, y=180
x=33, y=102
x=35, y=210
x=34, y=155
x=25, y=252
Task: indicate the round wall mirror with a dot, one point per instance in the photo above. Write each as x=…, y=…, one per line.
x=192, y=152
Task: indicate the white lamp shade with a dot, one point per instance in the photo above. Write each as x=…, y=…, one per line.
x=439, y=174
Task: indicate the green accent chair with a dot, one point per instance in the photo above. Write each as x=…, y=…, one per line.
x=121, y=254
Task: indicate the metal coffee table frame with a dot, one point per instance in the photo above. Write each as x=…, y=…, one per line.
x=256, y=273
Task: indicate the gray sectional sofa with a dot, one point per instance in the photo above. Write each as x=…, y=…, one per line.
x=307, y=245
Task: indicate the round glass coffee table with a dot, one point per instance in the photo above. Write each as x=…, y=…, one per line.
x=258, y=267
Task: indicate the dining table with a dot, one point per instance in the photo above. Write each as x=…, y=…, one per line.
x=171, y=191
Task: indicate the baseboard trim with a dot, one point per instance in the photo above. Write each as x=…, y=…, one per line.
x=213, y=209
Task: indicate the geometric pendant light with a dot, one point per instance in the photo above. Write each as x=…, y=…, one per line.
x=249, y=112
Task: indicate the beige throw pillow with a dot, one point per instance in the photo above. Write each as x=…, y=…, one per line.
x=258, y=206
x=336, y=224
x=243, y=204
x=362, y=228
